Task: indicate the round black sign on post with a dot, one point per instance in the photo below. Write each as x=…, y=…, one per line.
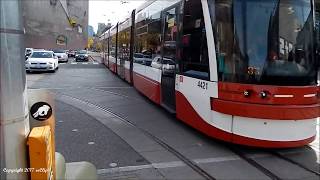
x=41, y=111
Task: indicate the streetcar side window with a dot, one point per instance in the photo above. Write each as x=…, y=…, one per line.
x=124, y=41
x=148, y=39
x=108, y=46
x=148, y=35
x=113, y=43
x=194, y=60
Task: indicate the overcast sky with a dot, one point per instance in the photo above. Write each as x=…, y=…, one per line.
x=104, y=11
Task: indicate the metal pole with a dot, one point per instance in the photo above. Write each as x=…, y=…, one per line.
x=14, y=123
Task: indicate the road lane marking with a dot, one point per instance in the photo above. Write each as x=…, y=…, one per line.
x=216, y=159
x=84, y=63
x=172, y=164
x=74, y=63
x=123, y=169
x=91, y=58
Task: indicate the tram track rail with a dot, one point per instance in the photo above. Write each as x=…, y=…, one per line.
x=279, y=155
x=163, y=144
x=254, y=163
x=186, y=160
x=265, y=170
x=114, y=93
x=251, y=160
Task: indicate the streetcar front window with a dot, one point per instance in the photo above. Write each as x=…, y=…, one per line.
x=265, y=42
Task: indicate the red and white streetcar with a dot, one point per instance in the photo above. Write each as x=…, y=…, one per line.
x=242, y=71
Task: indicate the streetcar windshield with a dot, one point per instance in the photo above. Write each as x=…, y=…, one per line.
x=265, y=42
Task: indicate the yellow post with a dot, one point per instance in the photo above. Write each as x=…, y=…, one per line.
x=34, y=97
x=41, y=154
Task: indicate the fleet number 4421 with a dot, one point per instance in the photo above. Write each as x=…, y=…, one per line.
x=203, y=85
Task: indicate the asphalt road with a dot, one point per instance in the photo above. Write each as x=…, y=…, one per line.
x=103, y=120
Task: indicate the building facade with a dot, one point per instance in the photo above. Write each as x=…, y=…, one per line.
x=56, y=24
x=101, y=27
x=90, y=31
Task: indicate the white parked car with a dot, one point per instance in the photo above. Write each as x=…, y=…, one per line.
x=62, y=55
x=138, y=58
x=156, y=62
x=166, y=64
x=42, y=61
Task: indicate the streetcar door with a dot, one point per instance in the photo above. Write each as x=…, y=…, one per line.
x=170, y=33
x=121, y=58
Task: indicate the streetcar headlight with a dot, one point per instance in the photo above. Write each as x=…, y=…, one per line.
x=263, y=94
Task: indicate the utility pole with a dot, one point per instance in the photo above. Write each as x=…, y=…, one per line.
x=14, y=122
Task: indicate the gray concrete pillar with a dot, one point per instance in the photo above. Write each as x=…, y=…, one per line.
x=14, y=123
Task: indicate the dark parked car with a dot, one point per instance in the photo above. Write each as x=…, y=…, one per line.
x=82, y=55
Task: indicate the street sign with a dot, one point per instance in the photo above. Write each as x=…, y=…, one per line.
x=41, y=111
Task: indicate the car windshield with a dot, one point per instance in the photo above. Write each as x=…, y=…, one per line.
x=147, y=56
x=58, y=51
x=41, y=55
x=82, y=52
x=272, y=43
x=138, y=55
